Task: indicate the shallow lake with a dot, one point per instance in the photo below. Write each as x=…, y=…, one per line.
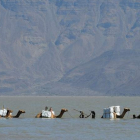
x=70, y=126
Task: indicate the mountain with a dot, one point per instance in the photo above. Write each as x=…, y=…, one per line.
x=69, y=47
x=112, y=73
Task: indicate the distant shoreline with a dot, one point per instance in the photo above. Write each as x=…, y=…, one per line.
x=67, y=96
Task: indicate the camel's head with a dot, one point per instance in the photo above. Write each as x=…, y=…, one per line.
x=127, y=109
x=134, y=116
x=22, y=111
x=64, y=110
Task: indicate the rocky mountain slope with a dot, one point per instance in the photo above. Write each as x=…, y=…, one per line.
x=69, y=47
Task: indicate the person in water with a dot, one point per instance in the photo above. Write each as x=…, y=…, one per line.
x=81, y=114
x=50, y=109
x=46, y=108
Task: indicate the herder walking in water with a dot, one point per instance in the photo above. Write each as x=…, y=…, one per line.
x=81, y=114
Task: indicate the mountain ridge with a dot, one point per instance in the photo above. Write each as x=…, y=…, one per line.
x=45, y=43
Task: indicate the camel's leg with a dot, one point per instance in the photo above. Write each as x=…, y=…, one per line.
x=39, y=115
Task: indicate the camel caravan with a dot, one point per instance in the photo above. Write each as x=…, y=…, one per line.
x=112, y=112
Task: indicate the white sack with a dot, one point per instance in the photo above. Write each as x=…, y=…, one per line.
x=118, y=113
x=107, y=115
x=117, y=109
x=111, y=115
x=3, y=112
x=47, y=114
x=104, y=110
x=111, y=109
x=107, y=110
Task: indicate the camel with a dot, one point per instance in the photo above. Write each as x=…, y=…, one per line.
x=8, y=115
x=93, y=115
x=63, y=110
x=123, y=113
x=136, y=117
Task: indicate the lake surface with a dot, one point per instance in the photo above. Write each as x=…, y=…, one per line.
x=69, y=126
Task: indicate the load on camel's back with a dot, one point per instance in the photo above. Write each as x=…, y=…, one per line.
x=3, y=112
x=113, y=112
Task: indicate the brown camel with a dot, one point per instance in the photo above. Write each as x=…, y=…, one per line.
x=63, y=110
x=123, y=113
x=8, y=115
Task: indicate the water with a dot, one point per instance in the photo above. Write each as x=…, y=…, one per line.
x=70, y=126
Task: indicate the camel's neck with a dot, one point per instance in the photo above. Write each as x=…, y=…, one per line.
x=61, y=114
x=123, y=114
x=18, y=114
